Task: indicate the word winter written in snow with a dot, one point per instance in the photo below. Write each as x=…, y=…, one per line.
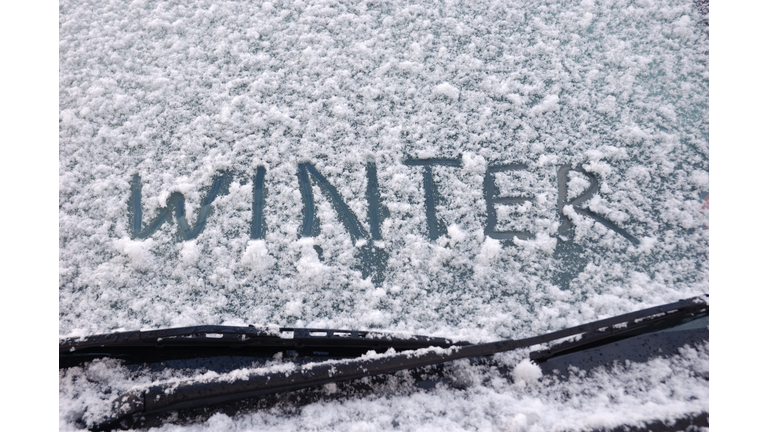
x=174, y=209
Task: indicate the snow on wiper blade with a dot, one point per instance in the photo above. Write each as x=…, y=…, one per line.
x=629, y=328
x=140, y=403
x=207, y=341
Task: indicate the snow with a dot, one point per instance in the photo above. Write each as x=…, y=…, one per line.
x=447, y=90
x=179, y=93
x=138, y=252
x=526, y=372
x=257, y=256
x=189, y=253
x=548, y=104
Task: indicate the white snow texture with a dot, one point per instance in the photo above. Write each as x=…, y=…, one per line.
x=177, y=92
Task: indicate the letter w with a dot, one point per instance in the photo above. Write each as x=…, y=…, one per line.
x=174, y=209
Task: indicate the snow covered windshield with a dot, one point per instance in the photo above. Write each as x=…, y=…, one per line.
x=475, y=170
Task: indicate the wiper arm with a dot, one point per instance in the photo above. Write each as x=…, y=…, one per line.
x=210, y=341
x=613, y=333
x=160, y=398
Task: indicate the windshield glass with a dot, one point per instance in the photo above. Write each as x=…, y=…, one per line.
x=474, y=170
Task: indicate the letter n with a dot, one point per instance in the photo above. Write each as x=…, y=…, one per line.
x=347, y=218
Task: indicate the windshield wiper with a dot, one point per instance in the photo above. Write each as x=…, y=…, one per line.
x=219, y=341
x=138, y=404
x=613, y=333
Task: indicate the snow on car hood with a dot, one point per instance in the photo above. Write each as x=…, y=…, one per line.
x=477, y=170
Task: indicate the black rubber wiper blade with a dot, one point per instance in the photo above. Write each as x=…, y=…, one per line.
x=614, y=333
x=157, y=399
x=211, y=340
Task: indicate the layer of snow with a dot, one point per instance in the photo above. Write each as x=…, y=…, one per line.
x=177, y=92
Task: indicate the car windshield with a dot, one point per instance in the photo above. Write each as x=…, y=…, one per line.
x=469, y=170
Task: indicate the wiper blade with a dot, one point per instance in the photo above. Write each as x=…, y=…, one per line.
x=613, y=333
x=210, y=341
x=141, y=403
